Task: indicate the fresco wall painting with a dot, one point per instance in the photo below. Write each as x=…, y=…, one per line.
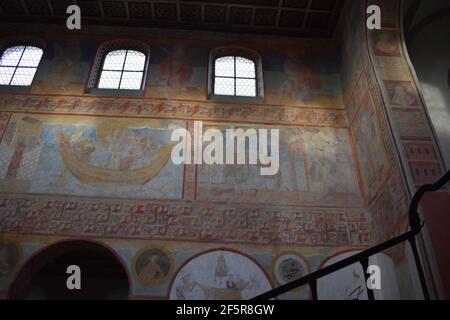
x=370, y=149
x=60, y=56
x=297, y=76
x=226, y=273
x=172, y=109
x=317, y=168
x=290, y=266
x=219, y=275
x=89, y=157
x=156, y=220
x=301, y=80
x=178, y=72
x=374, y=148
x=405, y=109
x=170, y=269
x=60, y=157
x=402, y=99
x=62, y=174
x=152, y=266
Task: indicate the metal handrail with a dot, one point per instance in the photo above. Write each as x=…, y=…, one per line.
x=363, y=257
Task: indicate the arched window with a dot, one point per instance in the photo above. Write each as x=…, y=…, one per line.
x=18, y=65
x=235, y=76
x=122, y=69
x=120, y=65
x=235, y=73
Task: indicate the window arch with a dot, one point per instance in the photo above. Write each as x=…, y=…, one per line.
x=235, y=72
x=120, y=65
x=18, y=65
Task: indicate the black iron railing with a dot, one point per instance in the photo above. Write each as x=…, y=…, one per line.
x=363, y=257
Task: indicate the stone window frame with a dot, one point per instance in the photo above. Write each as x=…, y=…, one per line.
x=97, y=67
x=237, y=52
x=22, y=40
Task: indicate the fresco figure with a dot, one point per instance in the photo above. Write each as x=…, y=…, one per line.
x=16, y=160
x=386, y=44
x=152, y=271
x=176, y=69
x=152, y=267
x=301, y=81
x=369, y=147
x=67, y=57
x=316, y=167
x=24, y=147
x=400, y=96
x=83, y=148
x=185, y=288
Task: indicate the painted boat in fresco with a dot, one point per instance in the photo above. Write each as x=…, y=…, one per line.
x=213, y=293
x=91, y=174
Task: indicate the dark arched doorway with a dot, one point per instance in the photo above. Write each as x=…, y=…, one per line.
x=44, y=275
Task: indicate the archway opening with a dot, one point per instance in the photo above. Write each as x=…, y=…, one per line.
x=45, y=276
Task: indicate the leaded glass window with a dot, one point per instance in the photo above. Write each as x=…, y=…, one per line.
x=123, y=69
x=18, y=65
x=235, y=76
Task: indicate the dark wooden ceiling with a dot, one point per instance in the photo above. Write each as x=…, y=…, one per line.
x=304, y=18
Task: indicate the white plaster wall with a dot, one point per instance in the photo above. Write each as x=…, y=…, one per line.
x=349, y=283
x=430, y=54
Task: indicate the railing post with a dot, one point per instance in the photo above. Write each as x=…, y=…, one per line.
x=313, y=286
x=416, y=225
x=423, y=283
x=365, y=265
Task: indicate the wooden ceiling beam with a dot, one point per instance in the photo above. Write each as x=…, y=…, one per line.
x=24, y=6
x=127, y=10
x=290, y=28
x=277, y=21
x=50, y=7
x=152, y=6
x=308, y=9
x=100, y=6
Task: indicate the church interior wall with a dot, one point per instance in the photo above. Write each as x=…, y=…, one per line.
x=340, y=188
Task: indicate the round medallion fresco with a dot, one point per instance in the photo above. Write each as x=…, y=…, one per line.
x=152, y=266
x=290, y=267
